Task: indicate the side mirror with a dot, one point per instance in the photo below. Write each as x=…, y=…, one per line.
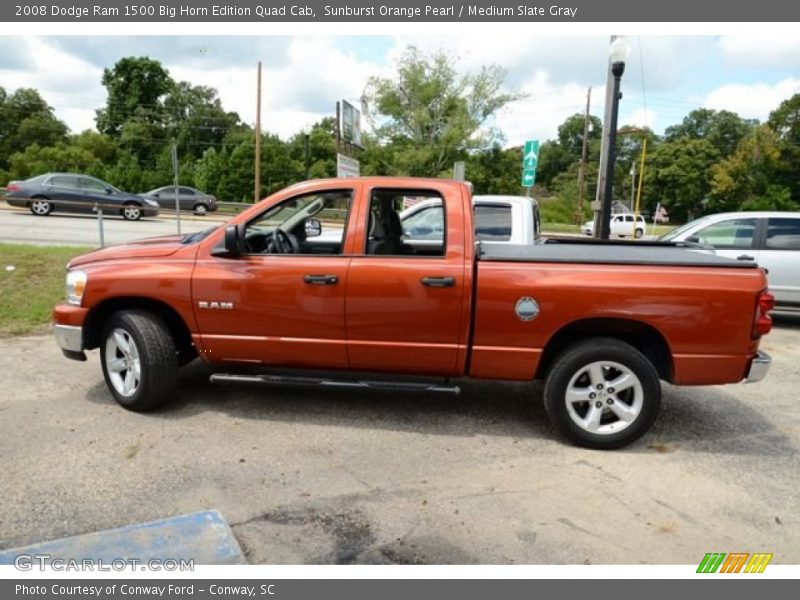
x=693, y=239
x=109, y=190
x=157, y=195
x=233, y=243
x=313, y=228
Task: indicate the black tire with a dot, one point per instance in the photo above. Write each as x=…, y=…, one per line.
x=40, y=206
x=200, y=209
x=638, y=234
x=157, y=358
x=571, y=369
x=131, y=211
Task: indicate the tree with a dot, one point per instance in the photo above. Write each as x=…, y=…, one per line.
x=196, y=119
x=785, y=122
x=136, y=88
x=495, y=170
x=35, y=160
x=722, y=128
x=747, y=175
x=25, y=118
x=677, y=174
x=570, y=133
x=432, y=115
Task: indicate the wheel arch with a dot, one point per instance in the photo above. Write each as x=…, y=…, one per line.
x=642, y=336
x=99, y=315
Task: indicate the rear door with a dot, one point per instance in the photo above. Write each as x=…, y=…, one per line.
x=408, y=305
x=63, y=190
x=780, y=255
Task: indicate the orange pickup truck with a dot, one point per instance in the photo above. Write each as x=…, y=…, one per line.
x=319, y=277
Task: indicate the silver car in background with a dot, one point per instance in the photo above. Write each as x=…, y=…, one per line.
x=189, y=198
x=770, y=239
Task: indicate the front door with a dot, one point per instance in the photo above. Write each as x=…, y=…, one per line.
x=407, y=305
x=283, y=301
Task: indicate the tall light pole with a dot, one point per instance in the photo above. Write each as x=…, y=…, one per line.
x=307, y=153
x=619, y=51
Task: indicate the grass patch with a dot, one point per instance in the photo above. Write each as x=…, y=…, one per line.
x=29, y=291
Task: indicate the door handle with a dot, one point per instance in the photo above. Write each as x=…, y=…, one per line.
x=321, y=279
x=745, y=257
x=438, y=281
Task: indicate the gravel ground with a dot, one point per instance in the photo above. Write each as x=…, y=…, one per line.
x=305, y=476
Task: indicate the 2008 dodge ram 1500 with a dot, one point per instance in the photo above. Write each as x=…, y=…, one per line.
x=602, y=324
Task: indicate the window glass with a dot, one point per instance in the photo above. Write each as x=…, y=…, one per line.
x=734, y=233
x=493, y=222
x=394, y=232
x=186, y=191
x=310, y=224
x=92, y=185
x=63, y=181
x=425, y=224
x=783, y=234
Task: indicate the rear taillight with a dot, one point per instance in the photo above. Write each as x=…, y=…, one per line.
x=12, y=187
x=762, y=322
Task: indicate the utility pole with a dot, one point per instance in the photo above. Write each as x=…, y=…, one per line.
x=584, y=149
x=175, y=184
x=597, y=205
x=257, y=188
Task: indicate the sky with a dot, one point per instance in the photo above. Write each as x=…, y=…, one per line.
x=303, y=76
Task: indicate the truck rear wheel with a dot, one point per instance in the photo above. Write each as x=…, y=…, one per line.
x=139, y=360
x=602, y=393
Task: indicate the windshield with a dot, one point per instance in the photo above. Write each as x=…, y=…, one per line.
x=667, y=237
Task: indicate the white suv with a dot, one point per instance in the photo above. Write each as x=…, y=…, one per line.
x=622, y=225
x=771, y=239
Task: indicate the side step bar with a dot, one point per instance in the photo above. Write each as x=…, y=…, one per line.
x=335, y=383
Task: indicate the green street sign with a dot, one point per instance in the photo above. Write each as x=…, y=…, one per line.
x=528, y=177
x=530, y=155
x=530, y=158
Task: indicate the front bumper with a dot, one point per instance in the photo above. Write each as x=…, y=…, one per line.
x=759, y=367
x=68, y=329
x=70, y=340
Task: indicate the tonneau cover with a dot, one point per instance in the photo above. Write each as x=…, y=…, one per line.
x=609, y=253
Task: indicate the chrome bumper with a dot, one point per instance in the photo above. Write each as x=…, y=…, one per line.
x=69, y=337
x=759, y=367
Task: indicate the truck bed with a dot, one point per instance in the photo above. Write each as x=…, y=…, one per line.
x=610, y=253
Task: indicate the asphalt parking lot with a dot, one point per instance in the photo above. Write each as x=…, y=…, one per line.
x=365, y=477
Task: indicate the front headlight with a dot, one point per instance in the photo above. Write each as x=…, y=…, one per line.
x=151, y=202
x=76, y=283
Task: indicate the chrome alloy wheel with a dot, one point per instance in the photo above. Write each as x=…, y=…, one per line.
x=40, y=207
x=604, y=397
x=122, y=362
x=132, y=212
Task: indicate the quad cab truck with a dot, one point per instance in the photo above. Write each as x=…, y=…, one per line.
x=273, y=295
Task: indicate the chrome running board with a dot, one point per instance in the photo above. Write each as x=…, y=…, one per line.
x=399, y=386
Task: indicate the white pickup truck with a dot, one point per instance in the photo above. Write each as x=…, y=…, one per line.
x=498, y=220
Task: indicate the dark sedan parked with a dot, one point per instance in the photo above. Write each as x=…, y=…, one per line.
x=67, y=192
x=188, y=198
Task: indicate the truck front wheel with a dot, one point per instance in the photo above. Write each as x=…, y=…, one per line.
x=139, y=360
x=602, y=393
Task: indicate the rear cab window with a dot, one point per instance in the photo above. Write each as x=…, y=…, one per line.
x=783, y=233
x=493, y=222
x=421, y=234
